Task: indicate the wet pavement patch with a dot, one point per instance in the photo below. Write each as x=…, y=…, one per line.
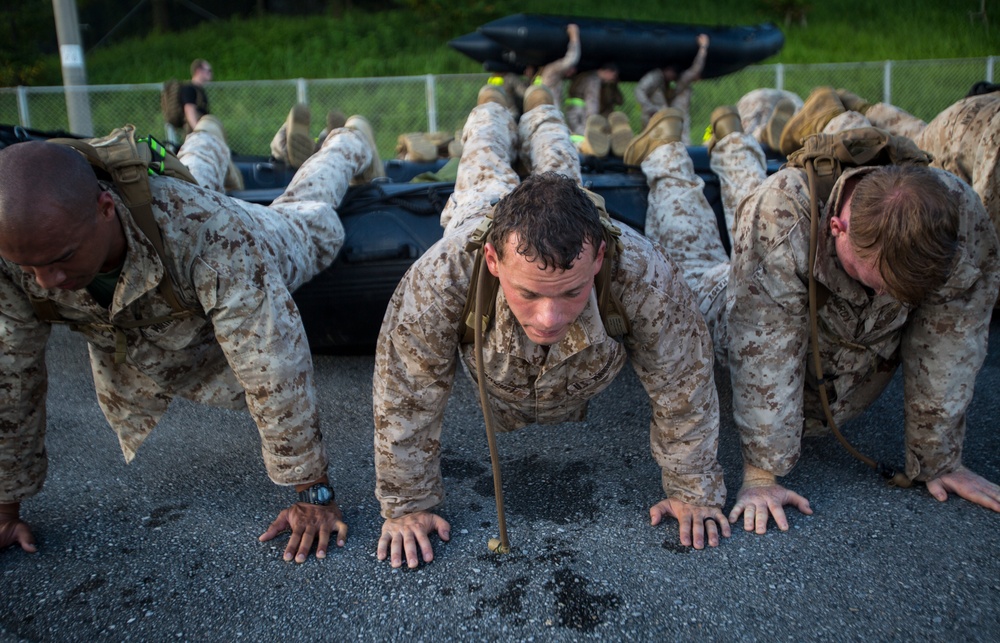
x=579, y=609
x=508, y=602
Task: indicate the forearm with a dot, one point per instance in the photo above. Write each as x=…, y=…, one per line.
x=693, y=73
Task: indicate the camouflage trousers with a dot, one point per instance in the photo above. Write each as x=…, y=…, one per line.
x=491, y=143
x=302, y=226
x=756, y=107
x=207, y=158
x=679, y=217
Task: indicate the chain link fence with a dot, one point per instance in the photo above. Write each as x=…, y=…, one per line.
x=253, y=110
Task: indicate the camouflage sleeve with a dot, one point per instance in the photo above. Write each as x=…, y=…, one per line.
x=693, y=73
x=647, y=86
x=768, y=314
x=944, y=346
x=259, y=329
x=23, y=381
x=415, y=364
x=553, y=73
x=671, y=351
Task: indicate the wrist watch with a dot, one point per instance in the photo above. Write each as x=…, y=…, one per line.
x=319, y=494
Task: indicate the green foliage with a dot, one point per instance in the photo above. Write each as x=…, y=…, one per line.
x=20, y=62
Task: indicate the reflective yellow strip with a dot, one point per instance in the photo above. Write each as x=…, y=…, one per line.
x=495, y=80
x=708, y=134
x=575, y=102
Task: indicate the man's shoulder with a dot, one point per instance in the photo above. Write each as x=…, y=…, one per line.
x=184, y=210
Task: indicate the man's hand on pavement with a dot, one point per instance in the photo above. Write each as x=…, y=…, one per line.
x=761, y=497
x=402, y=536
x=13, y=530
x=695, y=521
x=307, y=522
x=971, y=486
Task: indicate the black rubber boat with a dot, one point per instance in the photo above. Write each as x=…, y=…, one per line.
x=516, y=41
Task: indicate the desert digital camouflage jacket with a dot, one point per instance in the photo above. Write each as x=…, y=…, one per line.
x=243, y=347
x=418, y=352
x=941, y=343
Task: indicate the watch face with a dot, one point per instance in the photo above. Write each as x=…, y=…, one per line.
x=323, y=494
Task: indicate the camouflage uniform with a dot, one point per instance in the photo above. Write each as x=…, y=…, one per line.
x=653, y=93
x=419, y=350
x=235, y=264
x=553, y=74
x=588, y=94
x=764, y=324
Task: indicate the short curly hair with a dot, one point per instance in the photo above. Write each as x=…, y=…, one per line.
x=552, y=218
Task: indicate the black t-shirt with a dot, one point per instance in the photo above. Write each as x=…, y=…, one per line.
x=194, y=95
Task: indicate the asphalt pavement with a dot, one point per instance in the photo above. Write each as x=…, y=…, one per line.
x=166, y=549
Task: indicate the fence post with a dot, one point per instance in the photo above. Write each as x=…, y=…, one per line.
x=887, y=82
x=429, y=88
x=301, y=91
x=22, y=106
x=779, y=76
x=989, y=69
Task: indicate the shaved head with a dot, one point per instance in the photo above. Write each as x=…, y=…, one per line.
x=36, y=172
x=56, y=221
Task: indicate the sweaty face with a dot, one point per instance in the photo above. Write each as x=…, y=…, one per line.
x=859, y=269
x=64, y=251
x=545, y=302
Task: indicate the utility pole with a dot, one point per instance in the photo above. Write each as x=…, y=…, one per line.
x=73, y=70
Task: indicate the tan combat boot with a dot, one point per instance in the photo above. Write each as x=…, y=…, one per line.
x=334, y=120
x=455, y=146
x=724, y=120
x=416, y=146
x=665, y=126
x=783, y=110
x=374, y=169
x=621, y=133
x=819, y=109
x=596, y=137
x=537, y=95
x=492, y=94
x=853, y=102
x=299, y=145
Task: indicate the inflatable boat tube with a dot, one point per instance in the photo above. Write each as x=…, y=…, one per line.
x=534, y=39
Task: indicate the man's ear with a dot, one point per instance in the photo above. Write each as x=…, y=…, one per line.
x=837, y=227
x=599, y=257
x=492, y=260
x=106, y=205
